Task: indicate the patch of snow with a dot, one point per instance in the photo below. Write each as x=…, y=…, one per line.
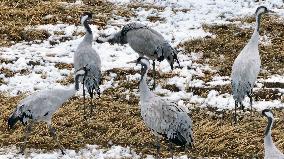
x=90, y=151
x=219, y=80
x=275, y=78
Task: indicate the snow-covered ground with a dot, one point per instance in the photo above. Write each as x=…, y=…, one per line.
x=177, y=27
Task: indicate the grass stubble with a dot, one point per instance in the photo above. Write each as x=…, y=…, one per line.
x=117, y=119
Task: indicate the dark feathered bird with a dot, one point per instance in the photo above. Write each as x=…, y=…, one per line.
x=247, y=66
x=145, y=41
x=40, y=106
x=164, y=117
x=270, y=150
x=88, y=59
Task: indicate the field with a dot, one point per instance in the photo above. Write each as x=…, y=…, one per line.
x=37, y=42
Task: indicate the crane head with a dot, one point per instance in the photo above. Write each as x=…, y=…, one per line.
x=267, y=113
x=262, y=9
x=145, y=64
x=85, y=17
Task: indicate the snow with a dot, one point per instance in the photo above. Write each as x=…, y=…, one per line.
x=219, y=80
x=275, y=78
x=90, y=151
x=178, y=26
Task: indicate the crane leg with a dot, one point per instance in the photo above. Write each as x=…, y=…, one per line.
x=27, y=133
x=235, y=115
x=171, y=149
x=84, y=98
x=84, y=92
x=154, y=75
x=242, y=106
x=92, y=104
x=158, y=146
x=52, y=132
x=250, y=101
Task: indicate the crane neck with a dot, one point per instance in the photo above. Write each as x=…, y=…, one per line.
x=267, y=134
x=254, y=38
x=257, y=20
x=66, y=93
x=268, y=140
x=269, y=126
x=143, y=87
x=89, y=35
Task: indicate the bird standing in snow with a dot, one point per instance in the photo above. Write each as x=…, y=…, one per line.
x=40, y=106
x=247, y=66
x=146, y=42
x=87, y=58
x=270, y=150
x=164, y=117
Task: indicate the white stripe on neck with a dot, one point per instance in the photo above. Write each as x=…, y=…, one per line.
x=269, y=114
x=84, y=18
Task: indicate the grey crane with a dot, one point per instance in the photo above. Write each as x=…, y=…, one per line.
x=164, y=117
x=146, y=42
x=246, y=66
x=270, y=150
x=88, y=59
x=40, y=106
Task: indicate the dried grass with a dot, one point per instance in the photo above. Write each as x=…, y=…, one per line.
x=119, y=121
x=146, y=6
x=62, y=65
x=221, y=51
x=7, y=72
x=16, y=15
x=260, y=94
x=67, y=80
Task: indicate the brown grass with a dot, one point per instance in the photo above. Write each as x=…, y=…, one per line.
x=7, y=72
x=221, y=51
x=61, y=65
x=10, y=73
x=155, y=18
x=67, y=80
x=261, y=94
x=146, y=6
x=119, y=121
x=16, y=15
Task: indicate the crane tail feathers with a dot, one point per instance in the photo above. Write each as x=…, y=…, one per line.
x=240, y=90
x=12, y=121
x=175, y=57
x=177, y=139
x=91, y=85
x=168, y=52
